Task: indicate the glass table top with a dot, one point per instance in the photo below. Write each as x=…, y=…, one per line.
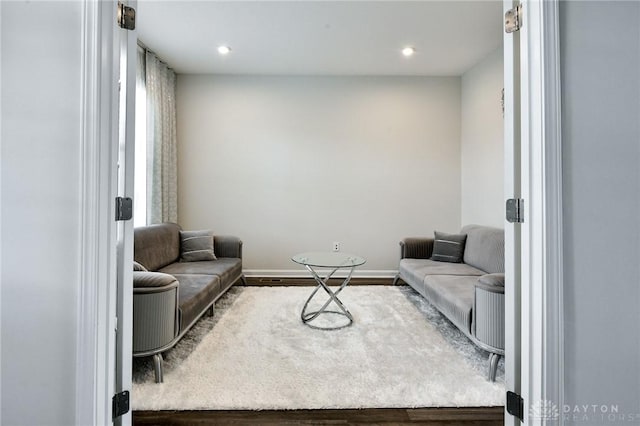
x=328, y=259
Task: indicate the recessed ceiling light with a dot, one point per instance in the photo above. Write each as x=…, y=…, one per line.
x=224, y=50
x=408, y=51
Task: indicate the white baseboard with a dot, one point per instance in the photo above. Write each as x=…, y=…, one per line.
x=296, y=273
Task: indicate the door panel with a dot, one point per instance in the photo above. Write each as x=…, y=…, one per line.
x=512, y=231
x=125, y=174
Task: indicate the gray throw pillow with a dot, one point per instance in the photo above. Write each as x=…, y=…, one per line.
x=138, y=267
x=196, y=246
x=448, y=247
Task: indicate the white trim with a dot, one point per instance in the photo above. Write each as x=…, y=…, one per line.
x=542, y=231
x=530, y=246
x=1, y=399
x=86, y=368
x=94, y=344
x=550, y=314
x=297, y=273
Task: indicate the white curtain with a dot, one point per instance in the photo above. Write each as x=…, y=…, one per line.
x=162, y=169
x=140, y=187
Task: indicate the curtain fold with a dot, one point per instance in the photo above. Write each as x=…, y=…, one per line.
x=140, y=187
x=162, y=167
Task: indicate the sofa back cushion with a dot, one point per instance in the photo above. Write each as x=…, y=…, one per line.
x=484, y=248
x=156, y=246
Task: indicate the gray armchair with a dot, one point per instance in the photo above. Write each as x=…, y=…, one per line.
x=156, y=322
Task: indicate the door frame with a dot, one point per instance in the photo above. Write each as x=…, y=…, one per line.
x=541, y=322
x=547, y=317
x=541, y=245
x=96, y=346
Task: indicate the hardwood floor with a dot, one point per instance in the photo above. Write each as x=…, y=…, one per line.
x=478, y=416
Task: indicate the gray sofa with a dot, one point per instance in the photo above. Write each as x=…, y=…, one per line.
x=170, y=296
x=470, y=294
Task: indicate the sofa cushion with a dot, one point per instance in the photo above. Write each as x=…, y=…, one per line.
x=195, y=293
x=226, y=268
x=196, y=246
x=413, y=271
x=156, y=246
x=484, y=248
x=448, y=247
x=453, y=296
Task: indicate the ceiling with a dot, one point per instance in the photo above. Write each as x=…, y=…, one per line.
x=321, y=37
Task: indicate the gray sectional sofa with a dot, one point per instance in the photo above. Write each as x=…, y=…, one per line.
x=169, y=295
x=471, y=293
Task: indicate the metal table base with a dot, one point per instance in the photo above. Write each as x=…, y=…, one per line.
x=307, y=317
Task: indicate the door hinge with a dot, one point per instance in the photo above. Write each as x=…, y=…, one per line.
x=515, y=405
x=513, y=19
x=515, y=210
x=124, y=208
x=120, y=404
x=126, y=17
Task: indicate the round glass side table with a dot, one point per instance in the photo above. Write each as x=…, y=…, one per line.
x=333, y=261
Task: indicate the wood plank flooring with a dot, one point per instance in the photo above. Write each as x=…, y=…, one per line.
x=477, y=416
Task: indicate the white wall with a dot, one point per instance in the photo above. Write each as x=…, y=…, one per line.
x=40, y=193
x=291, y=164
x=482, y=156
x=600, y=69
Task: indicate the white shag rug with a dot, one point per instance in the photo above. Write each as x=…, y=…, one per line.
x=259, y=355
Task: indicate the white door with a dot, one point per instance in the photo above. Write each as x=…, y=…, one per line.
x=127, y=39
x=513, y=237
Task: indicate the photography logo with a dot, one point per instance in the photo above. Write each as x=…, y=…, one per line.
x=544, y=410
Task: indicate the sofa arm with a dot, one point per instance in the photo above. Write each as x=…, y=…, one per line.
x=416, y=248
x=488, y=312
x=227, y=246
x=491, y=282
x=152, y=282
x=155, y=312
